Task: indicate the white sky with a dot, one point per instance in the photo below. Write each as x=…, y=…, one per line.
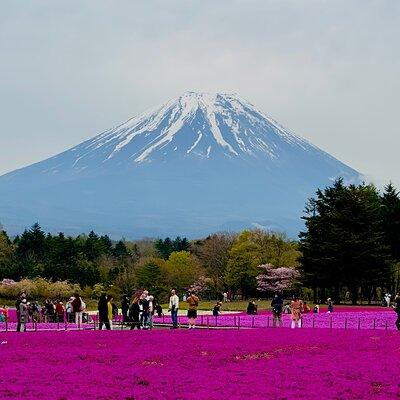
x=327, y=70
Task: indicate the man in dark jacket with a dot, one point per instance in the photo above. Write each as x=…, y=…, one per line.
x=103, y=312
x=277, y=308
x=17, y=309
x=125, y=308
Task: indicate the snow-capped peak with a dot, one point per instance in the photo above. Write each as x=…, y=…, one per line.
x=201, y=125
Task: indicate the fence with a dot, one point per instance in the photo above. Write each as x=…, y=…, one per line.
x=313, y=321
x=239, y=321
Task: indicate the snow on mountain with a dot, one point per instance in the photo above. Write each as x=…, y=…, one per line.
x=197, y=163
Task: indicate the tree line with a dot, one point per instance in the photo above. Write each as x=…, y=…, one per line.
x=349, y=249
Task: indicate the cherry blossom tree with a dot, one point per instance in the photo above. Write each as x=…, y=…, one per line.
x=276, y=279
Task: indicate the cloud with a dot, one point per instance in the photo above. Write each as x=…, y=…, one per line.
x=327, y=70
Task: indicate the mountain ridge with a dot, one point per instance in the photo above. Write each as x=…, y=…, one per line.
x=184, y=149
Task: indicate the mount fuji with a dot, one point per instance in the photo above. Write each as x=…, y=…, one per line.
x=196, y=164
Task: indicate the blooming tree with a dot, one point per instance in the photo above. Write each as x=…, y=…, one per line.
x=202, y=285
x=276, y=279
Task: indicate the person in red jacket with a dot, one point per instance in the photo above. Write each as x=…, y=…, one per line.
x=60, y=311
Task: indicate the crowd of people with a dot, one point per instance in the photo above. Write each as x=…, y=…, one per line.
x=138, y=311
x=50, y=311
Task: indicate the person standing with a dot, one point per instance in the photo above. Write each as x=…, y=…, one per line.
x=23, y=315
x=225, y=297
x=60, y=311
x=296, y=307
x=17, y=303
x=78, y=307
x=330, y=305
x=125, y=308
x=69, y=310
x=173, y=307
x=216, y=309
x=102, y=307
x=193, y=303
x=110, y=310
x=388, y=296
x=134, y=313
x=151, y=312
x=277, y=309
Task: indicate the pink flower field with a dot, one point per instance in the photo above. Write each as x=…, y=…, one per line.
x=338, y=320
x=201, y=364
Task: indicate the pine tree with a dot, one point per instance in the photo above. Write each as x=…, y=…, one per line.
x=343, y=245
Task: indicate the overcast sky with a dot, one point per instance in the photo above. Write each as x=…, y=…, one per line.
x=327, y=70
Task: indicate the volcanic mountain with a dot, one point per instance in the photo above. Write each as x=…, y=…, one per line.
x=197, y=164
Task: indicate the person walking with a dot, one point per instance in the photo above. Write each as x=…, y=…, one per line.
x=102, y=307
x=173, y=308
x=193, y=303
x=397, y=309
x=277, y=309
x=296, y=306
x=134, y=313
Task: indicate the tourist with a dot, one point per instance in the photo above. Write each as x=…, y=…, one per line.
x=316, y=309
x=397, y=309
x=388, y=296
x=4, y=314
x=69, y=310
x=110, y=310
x=174, y=307
x=134, y=313
x=125, y=308
x=330, y=305
x=151, y=312
x=145, y=308
x=49, y=310
x=193, y=303
x=23, y=314
x=158, y=309
x=252, y=308
x=225, y=297
x=102, y=307
x=277, y=308
x=216, y=309
x=286, y=309
x=78, y=306
x=296, y=306
x=60, y=311
x=17, y=303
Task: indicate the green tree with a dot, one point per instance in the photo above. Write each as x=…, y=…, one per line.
x=242, y=267
x=343, y=244
x=181, y=270
x=7, y=265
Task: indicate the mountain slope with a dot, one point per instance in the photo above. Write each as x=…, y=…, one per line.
x=194, y=165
